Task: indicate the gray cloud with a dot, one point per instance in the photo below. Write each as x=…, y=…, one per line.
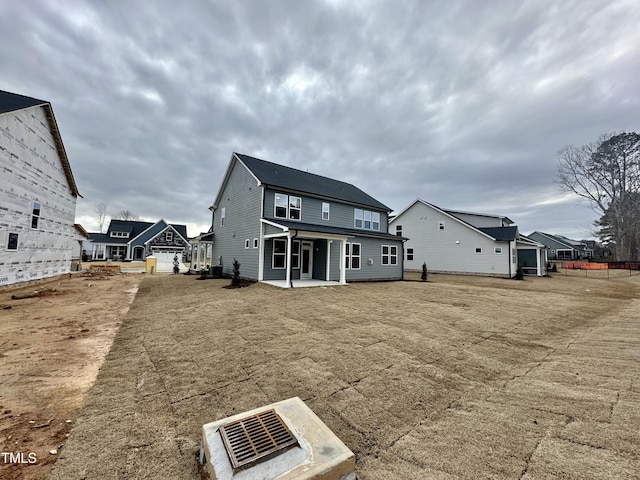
x=464, y=104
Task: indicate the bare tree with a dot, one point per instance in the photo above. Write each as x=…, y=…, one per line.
x=126, y=215
x=607, y=174
x=101, y=214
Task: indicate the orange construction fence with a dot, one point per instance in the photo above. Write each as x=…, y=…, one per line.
x=587, y=266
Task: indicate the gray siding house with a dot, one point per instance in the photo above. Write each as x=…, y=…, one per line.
x=562, y=248
x=134, y=240
x=286, y=226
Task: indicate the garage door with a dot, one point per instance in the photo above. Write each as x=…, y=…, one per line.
x=165, y=260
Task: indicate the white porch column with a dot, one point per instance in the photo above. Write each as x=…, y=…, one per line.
x=343, y=265
x=287, y=262
x=328, y=275
x=539, y=261
x=191, y=262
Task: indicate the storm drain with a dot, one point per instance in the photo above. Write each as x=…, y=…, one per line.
x=255, y=437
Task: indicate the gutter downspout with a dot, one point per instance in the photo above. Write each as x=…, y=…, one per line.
x=290, y=254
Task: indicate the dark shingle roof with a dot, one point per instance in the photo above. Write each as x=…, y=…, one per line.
x=502, y=234
x=281, y=176
x=10, y=102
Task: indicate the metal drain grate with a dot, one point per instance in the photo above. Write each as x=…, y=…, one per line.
x=252, y=438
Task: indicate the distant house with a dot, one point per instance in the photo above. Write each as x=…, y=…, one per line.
x=465, y=242
x=37, y=192
x=563, y=248
x=286, y=226
x=134, y=240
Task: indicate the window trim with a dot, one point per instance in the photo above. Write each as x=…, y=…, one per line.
x=279, y=254
x=375, y=224
x=247, y=243
x=478, y=250
x=326, y=208
x=168, y=236
x=358, y=216
x=409, y=254
x=389, y=256
x=223, y=215
x=349, y=256
x=278, y=203
x=255, y=242
x=295, y=257
x=441, y=225
x=497, y=250
x=292, y=208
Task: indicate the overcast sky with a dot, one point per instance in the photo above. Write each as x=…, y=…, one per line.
x=464, y=104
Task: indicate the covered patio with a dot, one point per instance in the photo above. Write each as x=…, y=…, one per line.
x=305, y=255
x=303, y=283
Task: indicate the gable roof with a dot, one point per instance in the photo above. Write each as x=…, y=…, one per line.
x=500, y=234
x=488, y=215
x=554, y=238
x=280, y=176
x=12, y=102
x=135, y=229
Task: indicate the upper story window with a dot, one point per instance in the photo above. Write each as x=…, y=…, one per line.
x=287, y=206
x=169, y=236
x=399, y=230
x=223, y=215
x=366, y=219
x=119, y=234
x=325, y=211
x=35, y=215
x=441, y=225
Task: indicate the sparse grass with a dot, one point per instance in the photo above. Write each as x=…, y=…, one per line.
x=458, y=377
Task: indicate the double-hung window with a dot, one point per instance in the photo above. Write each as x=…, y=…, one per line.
x=375, y=221
x=358, y=216
x=352, y=256
x=287, y=206
x=325, y=211
x=279, y=253
x=295, y=206
x=366, y=219
x=389, y=255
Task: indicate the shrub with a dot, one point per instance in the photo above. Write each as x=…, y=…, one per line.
x=423, y=277
x=519, y=273
x=235, y=279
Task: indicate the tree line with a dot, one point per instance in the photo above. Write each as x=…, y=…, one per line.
x=606, y=173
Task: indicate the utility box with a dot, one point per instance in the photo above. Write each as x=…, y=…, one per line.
x=151, y=264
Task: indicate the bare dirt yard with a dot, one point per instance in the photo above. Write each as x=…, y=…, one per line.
x=51, y=347
x=459, y=377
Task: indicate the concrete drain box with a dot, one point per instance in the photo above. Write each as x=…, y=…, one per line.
x=283, y=441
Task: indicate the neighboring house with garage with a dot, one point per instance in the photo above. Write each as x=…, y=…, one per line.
x=134, y=240
x=563, y=248
x=288, y=226
x=37, y=193
x=453, y=241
